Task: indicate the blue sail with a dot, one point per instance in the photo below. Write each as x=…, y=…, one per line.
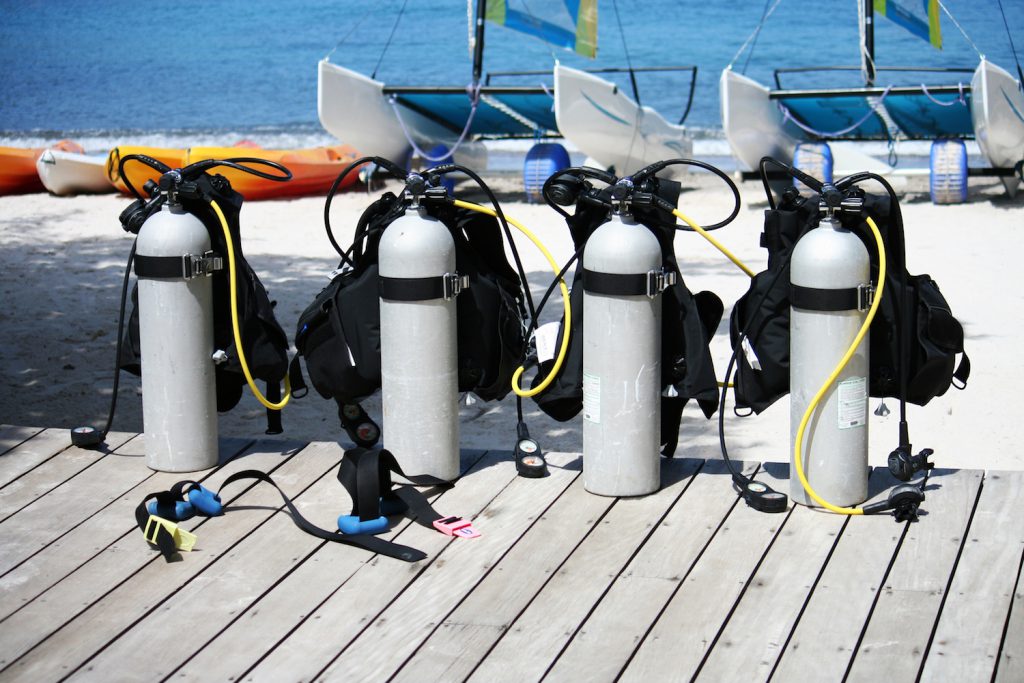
x=571, y=24
x=920, y=17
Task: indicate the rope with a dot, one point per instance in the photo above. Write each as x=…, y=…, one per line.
x=754, y=34
x=349, y=34
x=475, y=97
x=764, y=14
x=390, y=38
x=959, y=98
x=1013, y=48
x=787, y=116
x=960, y=28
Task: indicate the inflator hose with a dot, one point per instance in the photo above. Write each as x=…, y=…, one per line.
x=564, y=348
x=798, y=443
x=714, y=242
x=234, y=321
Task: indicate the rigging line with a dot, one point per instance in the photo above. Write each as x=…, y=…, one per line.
x=753, y=35
x=1013, y=48
x=390, y=38
x=546, y=44
x=625, y=49
x=753, y=44
x=350, y=32
x=960, y=28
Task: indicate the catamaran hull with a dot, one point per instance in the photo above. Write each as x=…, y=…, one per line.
x=610, y=128
x=354, y=109
x=753, y=124
x=997, y=108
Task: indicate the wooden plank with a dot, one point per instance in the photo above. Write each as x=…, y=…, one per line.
x=297, y=595
x=12, y=435
x=706, y=596
x=824, y=637
x=893, y=646
x=553, y=616
x=71, y=621
x=606, y=640
x=42, y=570
x=52, y=473
x=752, y=641
x=46, y=519
x=1011, y=656
x=201, y=607
x=26, y=455
x=456, y=646
x=357, y=602
x=966, y=643
x=395, y=633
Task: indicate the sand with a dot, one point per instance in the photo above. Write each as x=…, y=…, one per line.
x=63, y=260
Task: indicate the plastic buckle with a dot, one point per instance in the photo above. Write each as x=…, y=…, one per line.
x=453, y=284
x=183, y=540
x=658, y=280
x=865, y=296
x=456, y=526
x=194, y=266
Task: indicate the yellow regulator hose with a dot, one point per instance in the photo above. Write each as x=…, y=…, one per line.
x=234, y=321
x=798, y=443
x=718, y=245
x=564, y=348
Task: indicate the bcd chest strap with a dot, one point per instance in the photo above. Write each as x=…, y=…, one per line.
x=367, y=476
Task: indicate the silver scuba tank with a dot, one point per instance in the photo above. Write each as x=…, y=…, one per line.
x=418, y=344
x=179, y=399
x=622, y=280
x=830, y=273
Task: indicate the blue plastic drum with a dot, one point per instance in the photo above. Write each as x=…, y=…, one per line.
x=948, y=168
x=814, y=159
x=542, y=161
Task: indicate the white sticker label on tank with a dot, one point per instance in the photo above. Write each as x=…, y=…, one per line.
x=853, y=403
x=591, y=398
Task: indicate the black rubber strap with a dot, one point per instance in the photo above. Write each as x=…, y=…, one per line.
x=615, y=284
x=411, y=288
x=160, y=266
x=814, y=299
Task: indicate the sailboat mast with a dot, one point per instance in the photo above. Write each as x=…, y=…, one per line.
x=868, y=56
x=478, y=41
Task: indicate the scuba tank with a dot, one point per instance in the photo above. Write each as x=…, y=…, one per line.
x=179, y=396
x=419, y=375
x=830, y=275
x=622, y=359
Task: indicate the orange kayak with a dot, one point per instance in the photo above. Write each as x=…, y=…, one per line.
x=138, y=173
x=18, y=173
x=313, y=170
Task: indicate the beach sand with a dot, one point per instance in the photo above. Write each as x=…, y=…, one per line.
x=63, y=260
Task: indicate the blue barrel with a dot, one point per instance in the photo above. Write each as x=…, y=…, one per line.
x=441, y=151
x=814, y=159
x=542, y=161
x=948, y=166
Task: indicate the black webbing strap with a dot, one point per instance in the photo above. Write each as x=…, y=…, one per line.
x=412, y=288
x=366, y=475
x=165, y=503
x=814, y=299
x=185, y=266
x=616, y=284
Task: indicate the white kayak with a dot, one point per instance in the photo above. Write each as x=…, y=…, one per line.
x=65, y=173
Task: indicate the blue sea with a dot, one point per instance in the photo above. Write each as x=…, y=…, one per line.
x=108, y=72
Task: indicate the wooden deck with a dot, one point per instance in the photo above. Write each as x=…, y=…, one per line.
x=563, y=585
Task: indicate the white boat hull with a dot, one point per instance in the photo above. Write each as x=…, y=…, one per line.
x=65, y=173
x=610, y=128
x=354, y=109
x=753, y=124
x=997, y=110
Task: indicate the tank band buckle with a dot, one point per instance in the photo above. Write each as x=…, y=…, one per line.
x=453, y=284
x=194, y=266
x=659, y=280
x=865, y=296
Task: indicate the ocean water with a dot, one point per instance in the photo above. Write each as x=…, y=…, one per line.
x=206, y=73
